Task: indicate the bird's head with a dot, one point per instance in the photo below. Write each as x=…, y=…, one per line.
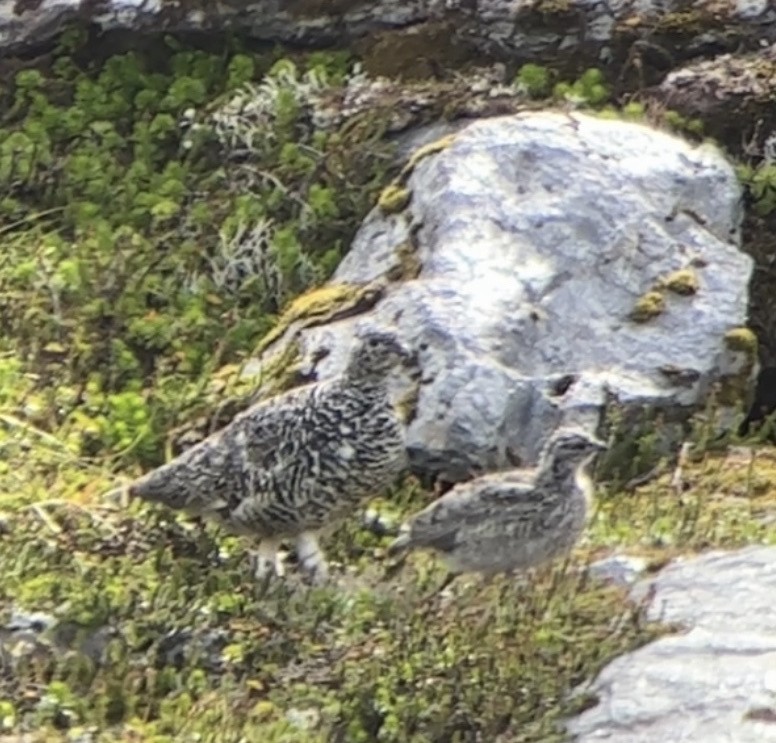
x=573, y=446
x=376, y=353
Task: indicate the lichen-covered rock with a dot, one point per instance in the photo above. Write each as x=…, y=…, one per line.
x=713, y=681
x=532, y=238
x=731, y=93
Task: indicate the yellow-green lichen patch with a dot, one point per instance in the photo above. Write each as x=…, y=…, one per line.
x=324, y=304
x=408, y=265
x=736, y=388
x=394, y=198
x=407, y=406
x=742, y=339
x=432, y=148
x=280, y=371
x=552, y=7
x=648, y=306
x=685, y=22
x=683, y=282
x=734, y=392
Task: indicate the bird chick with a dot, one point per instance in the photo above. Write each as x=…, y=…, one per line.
x=291, y=467
x=512, y=520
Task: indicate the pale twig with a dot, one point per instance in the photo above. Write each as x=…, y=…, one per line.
x=14, y=422
x=640, y=480
x=677, y=479
x=40, y=507
x=46, y=519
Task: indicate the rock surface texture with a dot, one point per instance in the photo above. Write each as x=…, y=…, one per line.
x=542, y=265
x=532, y=29
x=715, y=682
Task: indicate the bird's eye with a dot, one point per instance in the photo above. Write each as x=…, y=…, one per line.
x=374, y=342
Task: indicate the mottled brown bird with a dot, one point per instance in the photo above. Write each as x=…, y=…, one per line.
x=293, y=466
x=512, y=520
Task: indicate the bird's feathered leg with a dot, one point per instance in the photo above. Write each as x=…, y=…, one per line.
x=311, y=557
x=267, y=561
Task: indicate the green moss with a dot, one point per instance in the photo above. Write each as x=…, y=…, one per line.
x=648, y=306
x=588, y=90
x=683, y=282
x=534, y=80
x=683, y=124
x=634, y=111
x=760, y=182
x=394, y=198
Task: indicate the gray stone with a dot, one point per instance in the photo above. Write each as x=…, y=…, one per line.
x=715, y=682
x=40, y=635
x=535, y=235
x=622, y=570
x=587, y=31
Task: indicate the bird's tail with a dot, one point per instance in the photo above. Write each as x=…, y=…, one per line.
x=150, y=487
x=161, y=485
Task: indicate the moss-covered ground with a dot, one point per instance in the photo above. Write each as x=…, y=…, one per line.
x=149, y=243
x=164, y=635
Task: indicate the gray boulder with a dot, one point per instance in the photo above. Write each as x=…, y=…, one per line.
x=544, y=265
x=714, y=682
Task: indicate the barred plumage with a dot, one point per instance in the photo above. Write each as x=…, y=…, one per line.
x=511, y=520
x=292, y=466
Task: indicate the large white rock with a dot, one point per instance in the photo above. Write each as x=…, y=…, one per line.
x=714, y=682
x=536, y=235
